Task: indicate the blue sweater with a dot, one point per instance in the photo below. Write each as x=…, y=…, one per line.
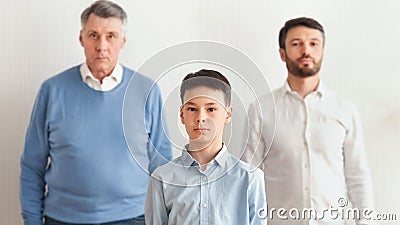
x=79, y=143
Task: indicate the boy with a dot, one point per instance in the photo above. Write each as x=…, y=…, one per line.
x=205, y=185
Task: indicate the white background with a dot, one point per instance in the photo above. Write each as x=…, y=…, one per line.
x=362, y=62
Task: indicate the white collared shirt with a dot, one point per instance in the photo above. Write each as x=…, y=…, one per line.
x=314, y=157
x=109, y=82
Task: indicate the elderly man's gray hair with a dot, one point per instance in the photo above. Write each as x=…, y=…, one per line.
x=104, y=9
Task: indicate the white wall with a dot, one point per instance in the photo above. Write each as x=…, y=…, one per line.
x=40, y=38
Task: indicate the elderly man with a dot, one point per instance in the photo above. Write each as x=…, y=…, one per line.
x=77, y=165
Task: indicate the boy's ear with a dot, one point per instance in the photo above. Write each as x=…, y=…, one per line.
x=181, y=115
x=228, y=117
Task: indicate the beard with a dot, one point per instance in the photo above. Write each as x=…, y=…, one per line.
x=306, y=71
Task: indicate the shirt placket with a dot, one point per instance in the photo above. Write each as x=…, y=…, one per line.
x=305, y=159
x=204, y=206
x=310, y=103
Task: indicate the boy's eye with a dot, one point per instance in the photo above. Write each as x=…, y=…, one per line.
x=191, y=109
x=211, y=109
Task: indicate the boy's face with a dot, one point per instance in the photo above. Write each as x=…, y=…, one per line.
x=204, y=115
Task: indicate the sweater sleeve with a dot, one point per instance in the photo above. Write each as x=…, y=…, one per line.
x=159, y=146
x=34, y=161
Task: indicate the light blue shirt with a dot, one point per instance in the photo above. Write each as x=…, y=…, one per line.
x=227, y=192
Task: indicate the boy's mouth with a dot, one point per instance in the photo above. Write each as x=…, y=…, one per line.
x=201, y=129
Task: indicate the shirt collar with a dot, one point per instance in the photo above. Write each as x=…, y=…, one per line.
x=222, y=155
x=116, y=74
x=220, y=158
x=321, y=90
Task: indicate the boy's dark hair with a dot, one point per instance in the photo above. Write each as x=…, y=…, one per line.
x=302, y=21
x=207, y=78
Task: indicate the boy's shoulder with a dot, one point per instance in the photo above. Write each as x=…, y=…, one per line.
x=242, y=168
x=169, y=170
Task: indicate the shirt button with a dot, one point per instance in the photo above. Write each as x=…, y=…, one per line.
x=204, y=178
x=204, y=205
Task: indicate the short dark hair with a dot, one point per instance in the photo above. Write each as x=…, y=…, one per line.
x=207, y=78
x=301, y=21
x=104, y=9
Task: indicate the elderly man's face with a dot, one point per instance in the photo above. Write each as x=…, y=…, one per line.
x=102, y=40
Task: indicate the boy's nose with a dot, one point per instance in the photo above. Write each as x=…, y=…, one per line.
x=201, y=120
x=201, y=117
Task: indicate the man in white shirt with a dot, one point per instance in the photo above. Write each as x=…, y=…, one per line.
x=314, y=159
